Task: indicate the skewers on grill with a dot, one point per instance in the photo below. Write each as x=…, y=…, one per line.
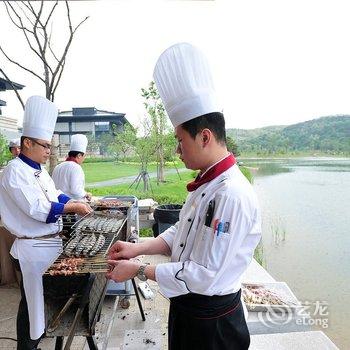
x=68, y=250
x=100, y=224
x=65, y=267
x=85, y=245
x=88, y=245
x=98, y=245
x=108, y=203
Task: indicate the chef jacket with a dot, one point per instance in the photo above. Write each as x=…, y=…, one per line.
x=30, y=205
x=210, y=258
x=69, y=177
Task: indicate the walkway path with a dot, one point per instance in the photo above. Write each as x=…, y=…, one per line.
x=128, y=179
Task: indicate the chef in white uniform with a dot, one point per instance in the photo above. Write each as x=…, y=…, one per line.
x=8, y=273
x=69, y=176
x=219, y=226
x=15, y=147
x=29, y=210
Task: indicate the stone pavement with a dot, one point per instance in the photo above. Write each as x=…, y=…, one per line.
x=115, y=327
x=128, y=331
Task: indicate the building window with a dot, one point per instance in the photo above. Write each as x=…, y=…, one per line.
x=101, y=126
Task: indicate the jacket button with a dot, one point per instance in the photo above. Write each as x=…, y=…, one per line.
x=181, y=245
x=189, y=220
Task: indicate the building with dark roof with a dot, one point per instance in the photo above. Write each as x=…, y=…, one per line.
x=8, y=125
x=88, y=121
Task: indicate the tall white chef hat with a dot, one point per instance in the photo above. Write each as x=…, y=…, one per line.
x=78, y=143
x=185, y=84
x=15, y=143
x=39, y=119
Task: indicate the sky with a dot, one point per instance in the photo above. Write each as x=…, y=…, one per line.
x=274, y=62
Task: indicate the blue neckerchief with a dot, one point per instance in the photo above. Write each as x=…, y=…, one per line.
x=30, y=162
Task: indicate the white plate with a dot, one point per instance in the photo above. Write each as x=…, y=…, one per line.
x=282, y=290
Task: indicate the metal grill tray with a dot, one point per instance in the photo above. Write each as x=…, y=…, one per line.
x=96, y=263
x=123, y=207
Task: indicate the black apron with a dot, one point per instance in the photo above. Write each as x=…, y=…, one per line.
x=200, y=322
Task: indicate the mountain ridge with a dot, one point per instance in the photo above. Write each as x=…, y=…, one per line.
x=329, y=134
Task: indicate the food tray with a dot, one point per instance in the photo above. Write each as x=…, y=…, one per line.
x=111, y=203
x=279, y=288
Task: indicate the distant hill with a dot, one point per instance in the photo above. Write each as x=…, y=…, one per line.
x=323, y=135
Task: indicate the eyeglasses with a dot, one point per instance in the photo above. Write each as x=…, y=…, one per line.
x=46, y=146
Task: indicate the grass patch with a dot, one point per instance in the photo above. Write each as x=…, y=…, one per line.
x=172, y=191
x=246, y=172
x=259, y=255
x=102, y=171
x=146, y=232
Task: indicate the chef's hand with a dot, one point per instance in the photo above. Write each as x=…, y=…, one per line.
x=88, y=196
x=123, y=250
x=122, y=270
x=77, y=208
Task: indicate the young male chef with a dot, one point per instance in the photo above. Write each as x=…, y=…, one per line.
x=15, y=147
x=29, y=208
x=69, y=176
x=219, y=226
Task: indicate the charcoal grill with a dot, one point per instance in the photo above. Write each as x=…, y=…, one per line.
x=73, y=302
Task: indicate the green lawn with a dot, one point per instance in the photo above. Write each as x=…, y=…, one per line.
x=172, y=191
x=101, y=171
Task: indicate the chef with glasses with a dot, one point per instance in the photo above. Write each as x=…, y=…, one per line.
x=31, y=206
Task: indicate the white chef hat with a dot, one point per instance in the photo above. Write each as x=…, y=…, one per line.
x=78, y=143
x=39, y=119
x=185, y=84
x=15, y=143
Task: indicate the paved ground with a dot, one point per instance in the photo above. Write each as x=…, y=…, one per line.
x=118, y=328
x=128, y=331
x=123, y=329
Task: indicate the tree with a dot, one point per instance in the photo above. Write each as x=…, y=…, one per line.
x=13, y=87
x=159, y=127
x=92, y=146
x=35, y=20
x=4, y=151
x=124, y=142
x=144, y=149
x=104, y=141
x=232, y=146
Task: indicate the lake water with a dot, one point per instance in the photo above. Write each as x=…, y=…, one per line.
x=306, y=240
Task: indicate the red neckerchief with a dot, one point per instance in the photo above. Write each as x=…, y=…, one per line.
x=212, y=173
x=72, y=159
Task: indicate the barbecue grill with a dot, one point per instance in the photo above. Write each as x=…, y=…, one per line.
x=74, y=296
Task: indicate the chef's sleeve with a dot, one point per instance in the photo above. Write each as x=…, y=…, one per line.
x=29, y=198
x=220, y=253
x=57, y=208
